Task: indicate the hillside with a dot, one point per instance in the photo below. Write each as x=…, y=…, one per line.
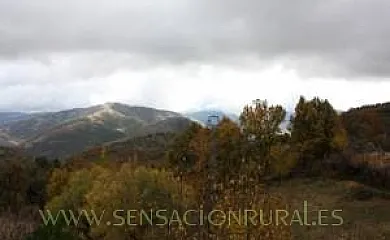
x=6, y=140
x=64, y=133
x=6, y=117
x=7, y=153
x=364, y=209
x=150, y=148
x=369, y=125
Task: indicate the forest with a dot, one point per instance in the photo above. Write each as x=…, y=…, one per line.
x=334, y=160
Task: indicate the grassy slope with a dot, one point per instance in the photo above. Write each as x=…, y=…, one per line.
x=368, y=219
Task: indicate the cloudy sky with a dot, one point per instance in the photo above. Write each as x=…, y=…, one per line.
x=189, y=54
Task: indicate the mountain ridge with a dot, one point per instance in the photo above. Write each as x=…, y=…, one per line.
x=58, y=134
x=70, y=131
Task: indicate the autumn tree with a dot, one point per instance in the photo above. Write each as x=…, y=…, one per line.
x=261, y=131
x=139, y=189
x=182, y=145
x=316, y=130
x=189, y=154
x=364, y=127
x=57, y=182
x=108, y=189
x=228, y=148
x=23, y=182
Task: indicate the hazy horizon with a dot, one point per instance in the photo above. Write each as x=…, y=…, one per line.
x=188, y=111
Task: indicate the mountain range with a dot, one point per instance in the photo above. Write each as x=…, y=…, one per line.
x=65, y=133
x=61, y=134
x=68, y=132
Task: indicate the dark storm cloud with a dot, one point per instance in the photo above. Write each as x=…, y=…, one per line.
x=336, y=37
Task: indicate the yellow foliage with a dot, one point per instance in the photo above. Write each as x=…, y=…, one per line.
x=57, y=181
x=134, y=189
x=284, y=159
x=240, y=209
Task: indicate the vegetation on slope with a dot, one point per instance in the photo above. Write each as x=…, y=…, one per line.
x=251, y=165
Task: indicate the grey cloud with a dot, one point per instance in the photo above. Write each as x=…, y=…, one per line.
x=47, y=97
x=349, y=37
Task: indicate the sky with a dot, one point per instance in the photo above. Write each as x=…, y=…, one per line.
x=187, y=55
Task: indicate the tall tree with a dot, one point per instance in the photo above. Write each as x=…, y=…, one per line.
x=229, y=156
x=316, y=130
x=261, y=130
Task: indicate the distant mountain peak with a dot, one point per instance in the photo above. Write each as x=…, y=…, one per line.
x=113, y=104
x=106, y=109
